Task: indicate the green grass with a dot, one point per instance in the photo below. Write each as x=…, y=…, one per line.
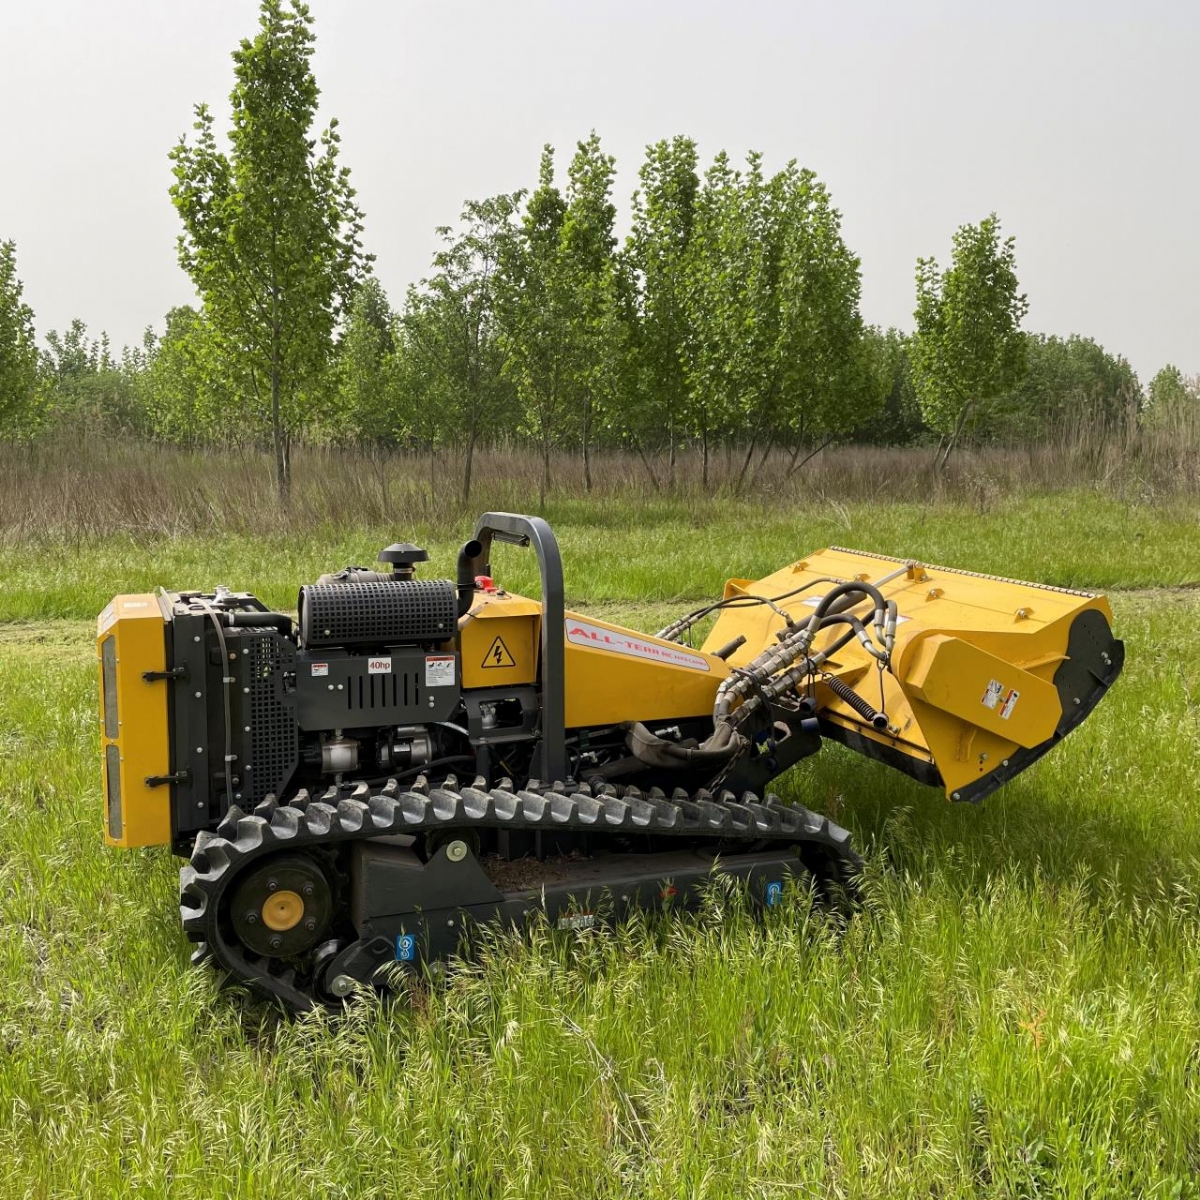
x=1014, y=1013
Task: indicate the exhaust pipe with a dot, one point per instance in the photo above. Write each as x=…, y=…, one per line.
x=468, y=567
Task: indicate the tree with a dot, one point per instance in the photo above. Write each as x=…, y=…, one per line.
x=368, y=408
x=271, y=231
x=188, y=398
x=1172, y=397
x=451, y=323
x=18, y=351
x=656, y=254
x=587, y=271
x=968, y=348
x=775, y=347
x=534, y=316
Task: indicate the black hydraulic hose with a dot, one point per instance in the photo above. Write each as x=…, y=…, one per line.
x=842, y=593
x=844, y=691
x=469, y=566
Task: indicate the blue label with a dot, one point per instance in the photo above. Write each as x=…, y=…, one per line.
x=774, y=893
x=406, y=947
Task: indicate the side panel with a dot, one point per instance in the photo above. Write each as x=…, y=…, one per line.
x=614, y=674
x=130, y=640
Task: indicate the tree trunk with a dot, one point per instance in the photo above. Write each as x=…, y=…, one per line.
x=958, y=428
x=671, y=455
x=587, y=450
x=468, y=462
x=704, y=459
x=283, y=480
x=649, y=469
x=545, y=487
x=745, y=464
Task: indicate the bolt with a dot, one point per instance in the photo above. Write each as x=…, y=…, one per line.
x=199, y=695
x=456, y=851
x=199, y=749
x=308, y=889
x=272, y=885
x=196, y=638
x=450, y=923
x=310, y=924
x=246, y=690
x=247, y=729
x=252, y=918
x=1077, y=700
x=1004, y=762
x=276, y=942
x=957, y=796
x=342, y=985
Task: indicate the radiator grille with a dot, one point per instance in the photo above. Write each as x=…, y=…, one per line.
x=273, y=734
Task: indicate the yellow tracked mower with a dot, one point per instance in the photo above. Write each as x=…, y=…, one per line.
x=359, y=786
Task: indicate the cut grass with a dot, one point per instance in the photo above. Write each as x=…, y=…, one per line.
x=1013, y=1013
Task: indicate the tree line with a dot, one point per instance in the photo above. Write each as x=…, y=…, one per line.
x=727, y=316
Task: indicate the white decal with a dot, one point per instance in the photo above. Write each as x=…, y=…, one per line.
x=379, y=666
x=992, y=696
x=813, y=601
x=439, y=670
x=320, y=669
x=1010, y=702
x=577, y=921
x=584, y=633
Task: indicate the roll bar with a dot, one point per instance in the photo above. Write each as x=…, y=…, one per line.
x=551, y=760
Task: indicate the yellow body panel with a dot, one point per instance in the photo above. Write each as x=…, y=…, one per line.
x=499, y=638
x=130, y=639
x=958, y=633
x=614, y=674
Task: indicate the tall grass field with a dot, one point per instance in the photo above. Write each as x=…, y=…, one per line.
x=1014, y=1011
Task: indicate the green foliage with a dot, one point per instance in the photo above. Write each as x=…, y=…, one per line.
x=1172, y=398
x=271, y=230
x=967, y=348
x=368, y=409
x=898, y=422
x=18, y=352
x=85, y=387
x=1067, y=382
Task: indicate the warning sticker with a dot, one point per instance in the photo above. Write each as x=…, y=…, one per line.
x=584, y=633
x=1010, y=702
x=439, y=670
x=991, y=697
x=379, y=666
x=498, y=655
x=320, y=668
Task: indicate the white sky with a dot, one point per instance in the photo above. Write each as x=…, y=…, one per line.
x=1078, y=121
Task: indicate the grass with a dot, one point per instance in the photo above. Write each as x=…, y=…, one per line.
x=1014, y=1012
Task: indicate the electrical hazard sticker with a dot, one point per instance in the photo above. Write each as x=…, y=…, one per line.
x=991, y=697
x=1010, y=702
x=439, y=670
x=498, y=655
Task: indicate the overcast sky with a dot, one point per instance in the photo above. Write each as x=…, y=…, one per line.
x=1078, y=122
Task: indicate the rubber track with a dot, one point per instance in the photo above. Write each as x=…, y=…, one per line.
x=350, y=813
